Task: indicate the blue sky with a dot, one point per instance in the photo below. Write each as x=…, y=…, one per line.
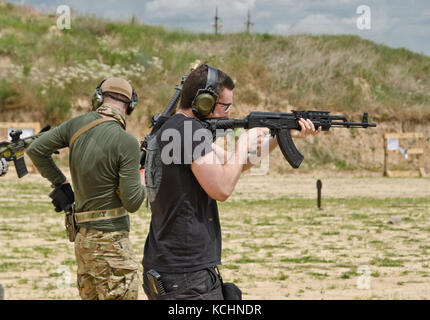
x=396, y=23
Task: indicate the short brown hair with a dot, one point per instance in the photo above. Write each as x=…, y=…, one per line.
x=196, y=80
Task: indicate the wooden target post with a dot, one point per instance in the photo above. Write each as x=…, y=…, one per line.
x=419, y=152
x=28, y=129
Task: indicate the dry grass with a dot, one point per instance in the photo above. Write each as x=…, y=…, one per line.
x=341, y=73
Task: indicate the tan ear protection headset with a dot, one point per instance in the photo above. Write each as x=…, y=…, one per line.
x=206, y=99
x=98, y=99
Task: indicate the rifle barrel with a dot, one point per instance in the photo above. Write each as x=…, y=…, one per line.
x=353, y=124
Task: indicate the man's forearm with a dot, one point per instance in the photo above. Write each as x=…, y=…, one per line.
x=40, y=151
x=47, y=167
x=219, y=171
x=234, y=167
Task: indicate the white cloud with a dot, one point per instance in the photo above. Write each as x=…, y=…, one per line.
x=197, y=7
x=281, y=28
x=319, y=23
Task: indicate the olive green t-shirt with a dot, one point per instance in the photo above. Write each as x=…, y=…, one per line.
x=104, y=165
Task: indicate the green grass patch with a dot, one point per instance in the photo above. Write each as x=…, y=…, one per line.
x=317, y=275
x=43, y=250
x=386, y=262
x=69, y=262
x=349, y=274
x=305, y=259
x=248, y=260
x=331, y=233
x=8, y=266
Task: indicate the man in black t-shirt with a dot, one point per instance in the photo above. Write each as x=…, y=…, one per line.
x=186, y=173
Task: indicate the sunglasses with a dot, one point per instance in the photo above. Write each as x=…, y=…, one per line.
x=226, y=105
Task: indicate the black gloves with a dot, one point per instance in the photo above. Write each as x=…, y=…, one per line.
x=62, y=197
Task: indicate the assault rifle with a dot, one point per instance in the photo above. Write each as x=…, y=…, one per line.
x=14, y=150
x=280, y=124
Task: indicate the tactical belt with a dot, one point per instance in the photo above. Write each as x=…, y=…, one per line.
x=97, y=215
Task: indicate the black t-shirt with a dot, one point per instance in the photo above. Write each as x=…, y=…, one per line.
x=185, y=233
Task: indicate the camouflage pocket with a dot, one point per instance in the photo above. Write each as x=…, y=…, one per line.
x=123, y=283
x=121, y=268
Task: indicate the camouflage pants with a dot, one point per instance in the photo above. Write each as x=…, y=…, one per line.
x=107, y=268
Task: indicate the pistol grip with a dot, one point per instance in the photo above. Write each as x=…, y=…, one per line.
x=288, y=148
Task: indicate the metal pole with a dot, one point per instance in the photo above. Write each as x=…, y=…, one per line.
x=319, y=187
x=248, y=23
x=216, y=20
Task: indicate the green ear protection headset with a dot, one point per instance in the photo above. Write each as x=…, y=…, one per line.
x=205, y=100
x=98, y=99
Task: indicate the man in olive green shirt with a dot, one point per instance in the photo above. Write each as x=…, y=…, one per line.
x=104, y=164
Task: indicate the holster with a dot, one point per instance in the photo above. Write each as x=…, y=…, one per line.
x=70, y=223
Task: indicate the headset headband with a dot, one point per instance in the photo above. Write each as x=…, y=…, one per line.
x=212, y=79
x=98, y=99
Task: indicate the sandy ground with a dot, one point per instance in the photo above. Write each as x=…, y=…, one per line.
x=299, y=253
x=333, y=186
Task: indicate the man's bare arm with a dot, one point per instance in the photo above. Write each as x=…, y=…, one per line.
x=218, y=171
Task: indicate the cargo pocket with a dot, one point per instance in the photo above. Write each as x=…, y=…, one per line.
x=123, y=281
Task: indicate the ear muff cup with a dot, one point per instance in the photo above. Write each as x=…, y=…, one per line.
x=205, y=100
x=132, y=104
x=204, y=104
x=97, y=99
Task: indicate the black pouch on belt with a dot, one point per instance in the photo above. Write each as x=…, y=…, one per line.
x=230, y=291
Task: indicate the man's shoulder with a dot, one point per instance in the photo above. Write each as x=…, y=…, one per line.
x=89, y=116
x=178, y=121
x=83, y=119
x=127, y=140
